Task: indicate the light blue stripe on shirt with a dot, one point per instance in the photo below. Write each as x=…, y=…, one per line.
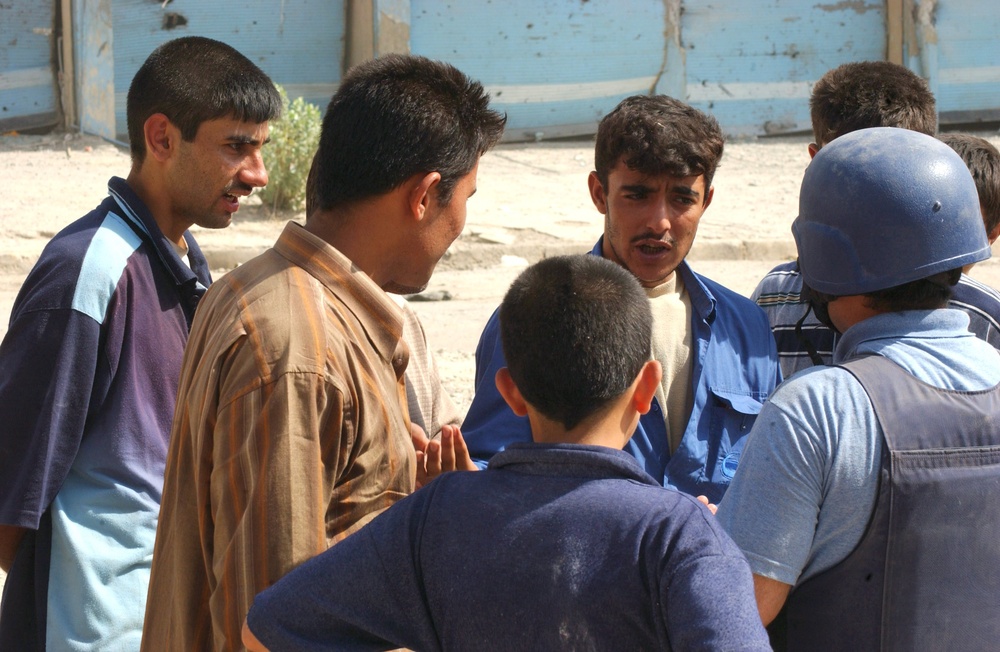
x=102, y=268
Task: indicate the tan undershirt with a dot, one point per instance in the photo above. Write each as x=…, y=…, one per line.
x=182, y=252
x=671, y=306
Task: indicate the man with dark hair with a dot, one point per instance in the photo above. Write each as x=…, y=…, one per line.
x=852, y=96
x=866, y=498
x=864, y=94
x=89, y=365
x=564, y=543
x=655, y=158
x=291, y=431
x=980, y=301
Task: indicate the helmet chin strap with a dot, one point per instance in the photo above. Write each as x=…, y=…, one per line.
x=818, y=303
x=810, y=348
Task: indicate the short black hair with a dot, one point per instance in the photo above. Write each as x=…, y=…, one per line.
x=865, y=94
x=983, y=160
x=576, y=332
x=656, y=135
x=929, y=293
x=397, y=116
x=194, y=79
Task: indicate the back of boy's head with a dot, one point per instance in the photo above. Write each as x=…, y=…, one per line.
x=983, y=160
x=865, y=94
x=397, y=116
x=657, y=135
x=194, y=79
x=576, y=332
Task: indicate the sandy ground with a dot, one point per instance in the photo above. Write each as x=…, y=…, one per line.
x=532, y=201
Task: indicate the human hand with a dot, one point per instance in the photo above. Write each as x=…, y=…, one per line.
x=712, y=507
x=437, y=456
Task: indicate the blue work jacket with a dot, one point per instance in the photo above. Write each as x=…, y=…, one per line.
x=734, y=369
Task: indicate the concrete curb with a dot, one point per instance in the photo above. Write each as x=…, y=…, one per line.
x=466, y=256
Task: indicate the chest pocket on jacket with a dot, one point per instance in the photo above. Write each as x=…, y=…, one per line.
x=733, y=414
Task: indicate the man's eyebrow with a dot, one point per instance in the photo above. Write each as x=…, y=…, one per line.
x=682, y=189
x=243, y=139
x=637, y=187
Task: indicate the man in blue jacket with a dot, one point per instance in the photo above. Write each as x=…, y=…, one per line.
x=655, y=159
x=563, y=543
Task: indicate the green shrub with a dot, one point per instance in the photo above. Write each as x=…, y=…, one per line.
x=294, y=139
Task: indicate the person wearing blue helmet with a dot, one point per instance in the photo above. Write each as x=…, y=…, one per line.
x=865, y=501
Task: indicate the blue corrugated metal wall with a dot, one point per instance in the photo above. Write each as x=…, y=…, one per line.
x=752, y=64
x=28, y=91
x=299, y=43
x=555, y=67
x=961, y=56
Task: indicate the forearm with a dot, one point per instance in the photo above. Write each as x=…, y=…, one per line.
x=771, y=596
x=10, y=538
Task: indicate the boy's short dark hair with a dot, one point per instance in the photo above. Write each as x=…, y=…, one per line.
x=656, y=135
x=194, y=79
x=397, y=116
x=983, y=160
x=864, y=94
x=576, y=332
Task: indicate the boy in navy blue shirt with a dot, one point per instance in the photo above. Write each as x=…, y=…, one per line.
x=563, y=543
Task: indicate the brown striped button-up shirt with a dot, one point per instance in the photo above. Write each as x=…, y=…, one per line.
x=289, y=434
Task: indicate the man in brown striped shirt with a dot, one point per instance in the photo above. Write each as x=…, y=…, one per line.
x=290, y=431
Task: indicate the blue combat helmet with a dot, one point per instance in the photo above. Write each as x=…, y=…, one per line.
x=882, y=207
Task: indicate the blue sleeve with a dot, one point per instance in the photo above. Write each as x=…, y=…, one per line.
x=48, y=361
x=705, y=591
x=708, y=604
x=490, y=425
x=365, y=593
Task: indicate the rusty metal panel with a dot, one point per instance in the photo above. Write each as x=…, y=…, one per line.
x=28, y=90
x=752, y=64
x=554, y=67
x=299, y=43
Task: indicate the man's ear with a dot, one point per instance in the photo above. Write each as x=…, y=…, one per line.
x=597, y=193
x=813, y=150
x=645, y=387
x=510, y=393
x=994, y=234
x=708, y=197
x=421, y=193
x=161, y=135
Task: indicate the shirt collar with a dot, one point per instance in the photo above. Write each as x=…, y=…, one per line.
x=378, y=314
x=138, y=217
x=702, y=300
x=864, y=336
x=578, y=460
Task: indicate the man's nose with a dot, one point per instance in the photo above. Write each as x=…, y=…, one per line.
x=254, y=173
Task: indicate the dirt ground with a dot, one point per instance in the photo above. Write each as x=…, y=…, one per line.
x=532, y=201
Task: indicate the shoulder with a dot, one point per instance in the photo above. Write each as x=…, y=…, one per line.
x=777, y=284
x=815, y=399
x=82, y=266
x=731, y=303
x=738, y=323
x=290, y=321
x=969, y=291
